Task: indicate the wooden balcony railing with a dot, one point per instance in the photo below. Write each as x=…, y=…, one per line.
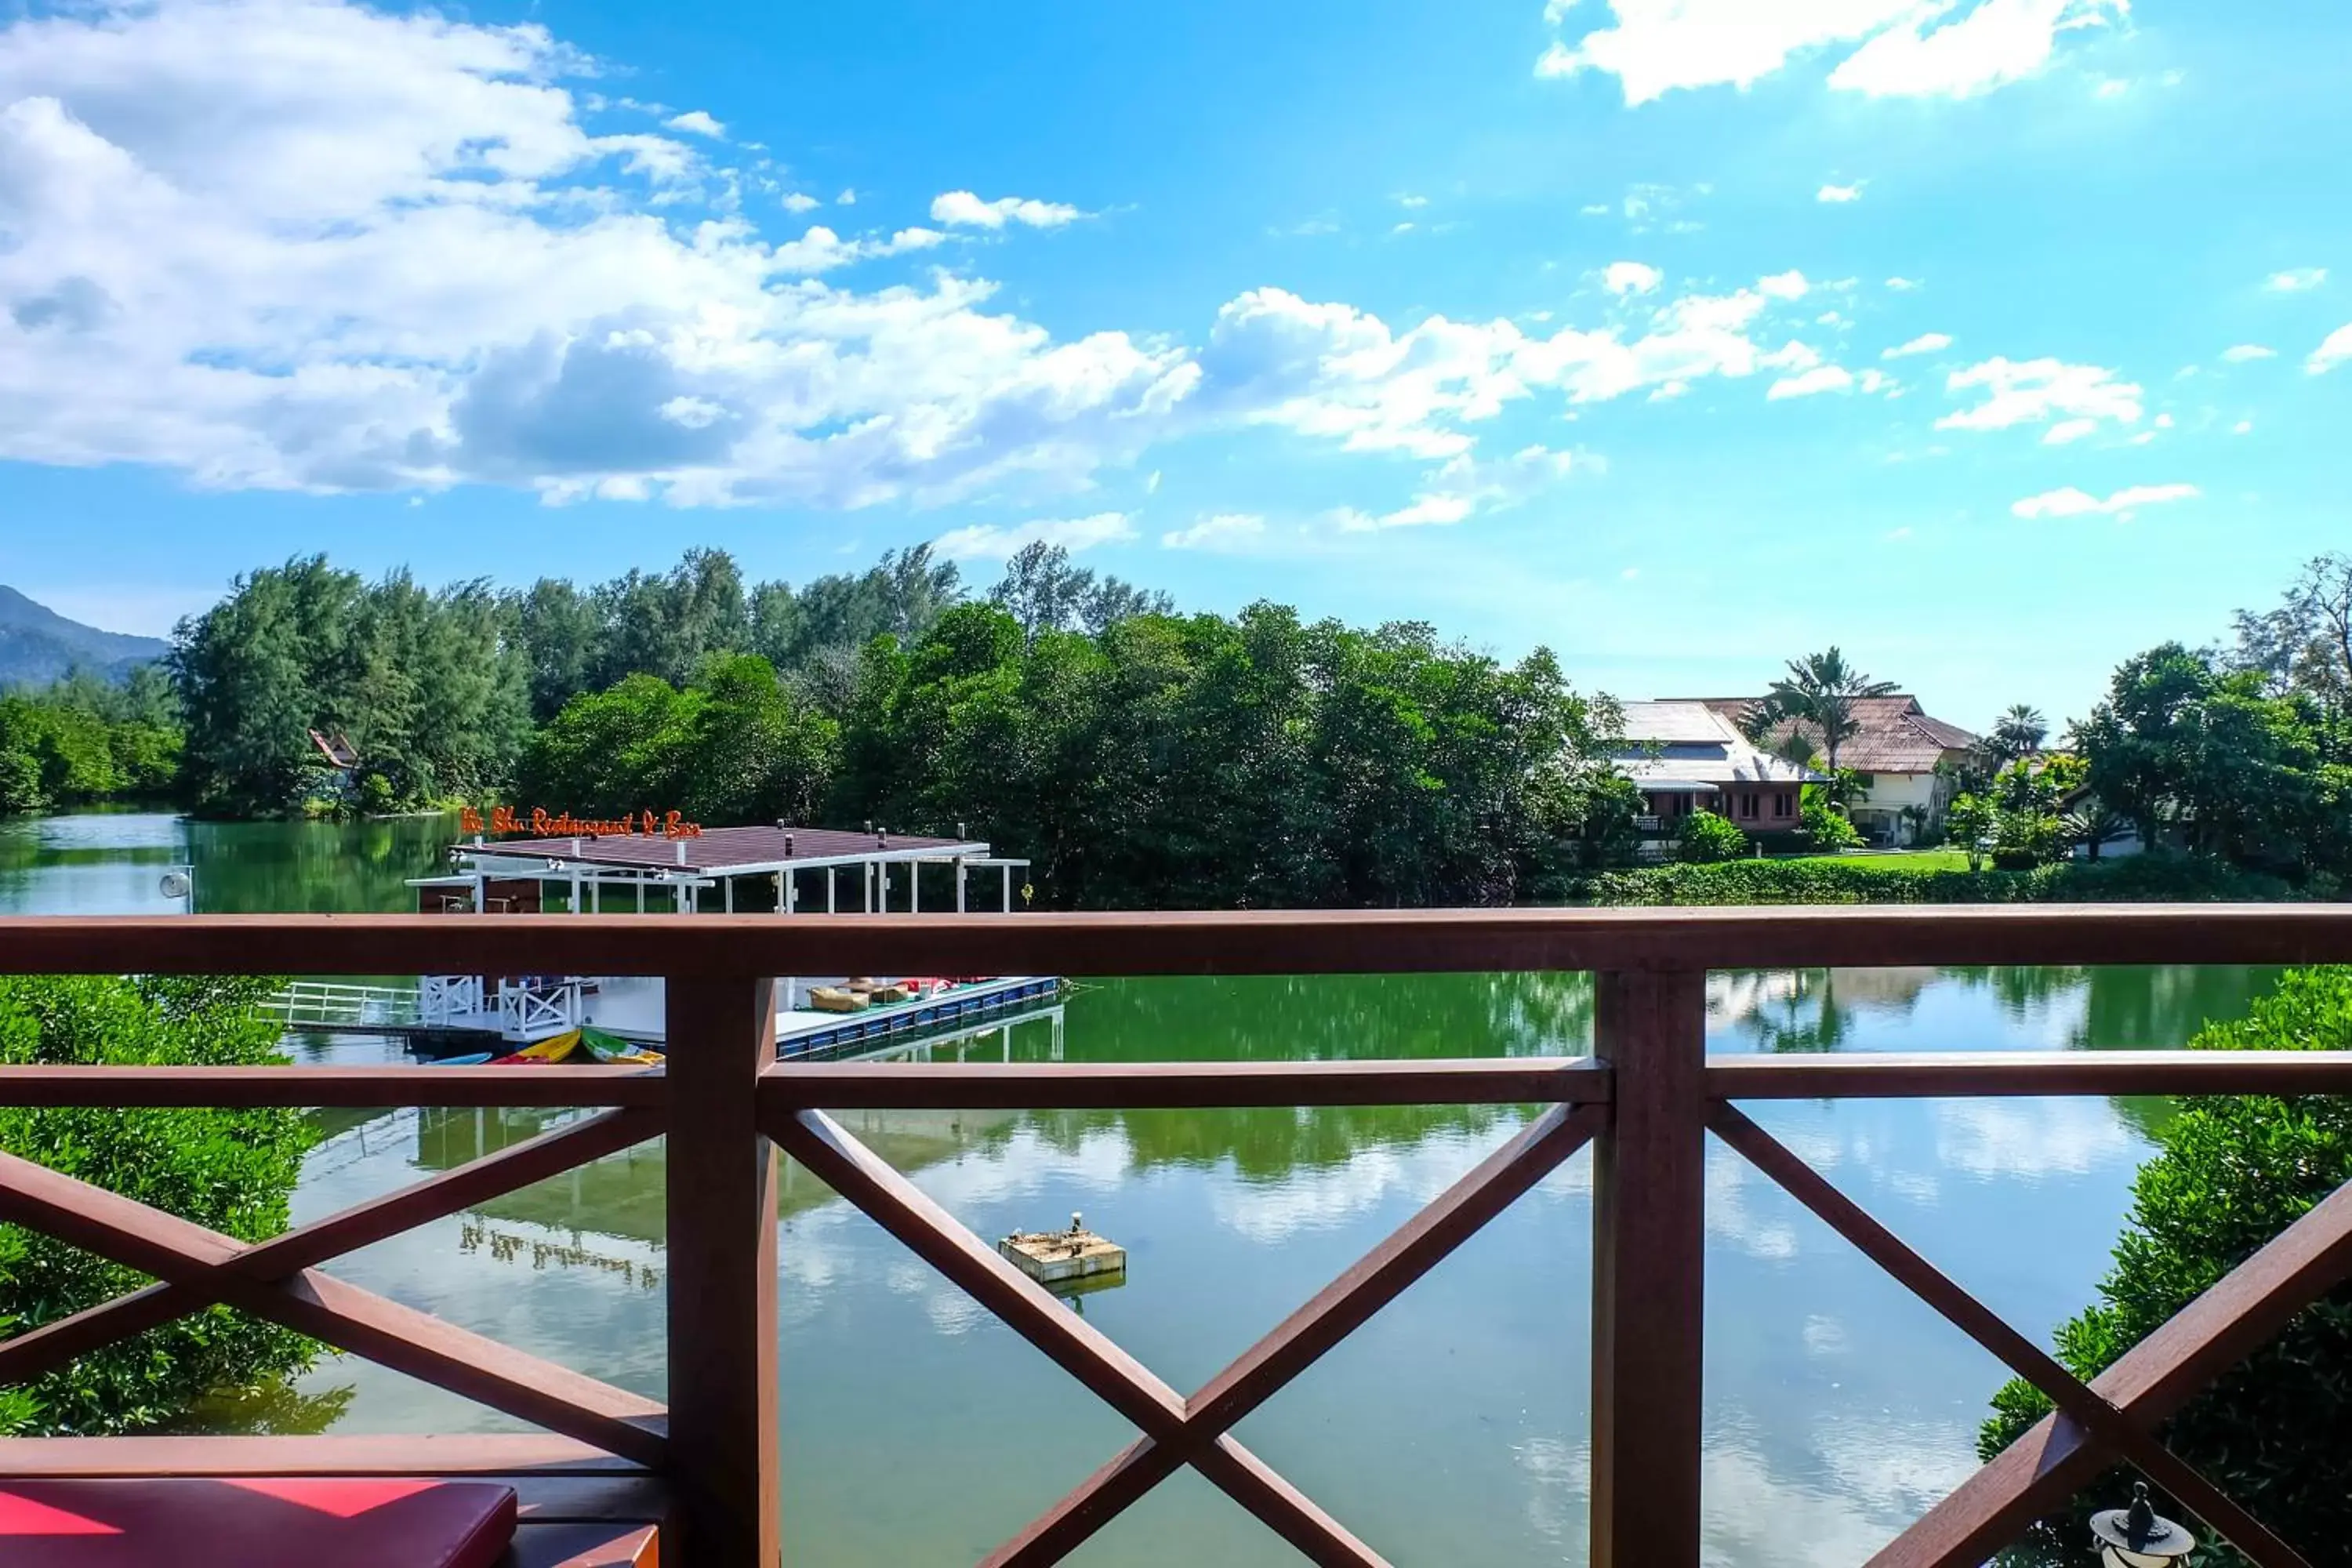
x=1645, y=1101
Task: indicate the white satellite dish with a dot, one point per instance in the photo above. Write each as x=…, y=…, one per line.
x=174, y=885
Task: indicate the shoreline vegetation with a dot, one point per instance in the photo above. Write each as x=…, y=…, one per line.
x=1143, y=758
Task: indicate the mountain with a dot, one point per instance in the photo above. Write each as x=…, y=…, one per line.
x=37, y=645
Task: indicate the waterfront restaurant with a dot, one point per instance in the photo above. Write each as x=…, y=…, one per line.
x=661, y=863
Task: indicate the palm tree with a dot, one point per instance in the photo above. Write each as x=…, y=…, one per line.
x=2019, y=732
x=1820, y=690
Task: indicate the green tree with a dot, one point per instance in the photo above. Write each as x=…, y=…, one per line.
x=1045, y=591
x=1970, y=819
x=2305, y=643
x=2274, y=1431
x=2020, y=731
x=2212, y=759
x=230, y=1169
x=1819, y=692
x=735, y=746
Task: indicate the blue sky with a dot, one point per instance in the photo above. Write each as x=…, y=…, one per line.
x=1992, y=339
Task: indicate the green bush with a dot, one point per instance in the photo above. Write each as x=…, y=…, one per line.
x=1825, y=824
x=2276, y=1433
x=1702, y=838
x=2139, y=879
x=230, y=1169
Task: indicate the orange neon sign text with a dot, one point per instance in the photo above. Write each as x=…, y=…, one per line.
x=539, y=823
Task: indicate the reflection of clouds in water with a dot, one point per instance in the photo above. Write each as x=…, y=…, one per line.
x=1824, y=1336
x=1559, y=1486
x=2030, y=1140
x=1878, y=1477
x=1728, y=1218
x=1028, y=1164
x=1329, y=1199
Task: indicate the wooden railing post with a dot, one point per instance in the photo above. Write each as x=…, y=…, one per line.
x=1649, y=1260
x=722, y=1275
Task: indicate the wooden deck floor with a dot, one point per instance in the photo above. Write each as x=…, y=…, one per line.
x=579, y=1508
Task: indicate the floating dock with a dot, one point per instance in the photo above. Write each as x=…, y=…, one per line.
x=1064, y=1257
x=807, y=1032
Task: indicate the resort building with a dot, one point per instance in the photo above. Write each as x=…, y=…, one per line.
x=1687, y=757
x=1898, y=751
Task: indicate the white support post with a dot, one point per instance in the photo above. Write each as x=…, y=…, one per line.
x=729, y=883
x=1008, y=887
x=914, y=887
x=641, y=892
x=832, y=905
x=960, y=884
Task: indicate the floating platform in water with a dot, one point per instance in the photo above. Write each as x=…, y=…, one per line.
x=1063, y=1258
x=804, y=1032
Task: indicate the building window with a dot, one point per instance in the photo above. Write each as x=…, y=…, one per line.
x=1784, y=803
x=1748, y=807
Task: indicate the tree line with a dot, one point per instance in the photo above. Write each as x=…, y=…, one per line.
x=85, y=739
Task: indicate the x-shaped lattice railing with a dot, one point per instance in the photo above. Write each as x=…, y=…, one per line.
x=196, y=1268
x=1178, y=1431
x=2112, y=1415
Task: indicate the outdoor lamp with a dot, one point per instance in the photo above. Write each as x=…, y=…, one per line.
x=2138, y=1536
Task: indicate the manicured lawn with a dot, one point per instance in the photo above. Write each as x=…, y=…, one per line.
x=1919, y=860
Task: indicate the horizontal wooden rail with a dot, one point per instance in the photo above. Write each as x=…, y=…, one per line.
x=1281, y=942
x=1643, y=1099
x=343, y=1088
x=1997, y=1074
x=1098, y=1086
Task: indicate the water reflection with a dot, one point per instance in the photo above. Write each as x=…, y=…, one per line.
x=919, y=1430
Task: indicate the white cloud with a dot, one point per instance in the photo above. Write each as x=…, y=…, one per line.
x=619, y=328
x=2069, y=430
x=1788, y=285
x=990, y=541
x=1596, y=209
x=2042, y=391
x=2331, y=351
x=1994, y=44
x=697, y=122
x=2241, y=428
x=962, y=209
x=2296, y=279
x=2239, y=354
x=1226, y=531
x=1806, y=384
x=319, y=165
x=1407, y=199
x=1903, y=285
x=1631, y=277
x=1924, y=343
x=1891, y=47
x=1464, y=485
x=849, y=198
x=2071, y=502
x=1839, y=194
x=800, y=201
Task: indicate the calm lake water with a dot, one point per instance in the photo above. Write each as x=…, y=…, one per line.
x=1451, y=1430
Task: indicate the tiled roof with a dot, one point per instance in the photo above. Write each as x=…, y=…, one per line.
x=1897, y=735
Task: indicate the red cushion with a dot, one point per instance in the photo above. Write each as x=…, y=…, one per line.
x=261, y=1522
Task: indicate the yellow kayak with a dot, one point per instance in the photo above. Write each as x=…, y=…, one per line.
x=554, y=1048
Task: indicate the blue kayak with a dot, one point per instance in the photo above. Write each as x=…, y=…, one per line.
x=475, y=1060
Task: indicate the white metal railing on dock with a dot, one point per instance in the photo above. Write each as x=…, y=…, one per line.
x=331, y=1004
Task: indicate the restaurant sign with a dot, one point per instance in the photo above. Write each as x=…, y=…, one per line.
x=541, y=822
